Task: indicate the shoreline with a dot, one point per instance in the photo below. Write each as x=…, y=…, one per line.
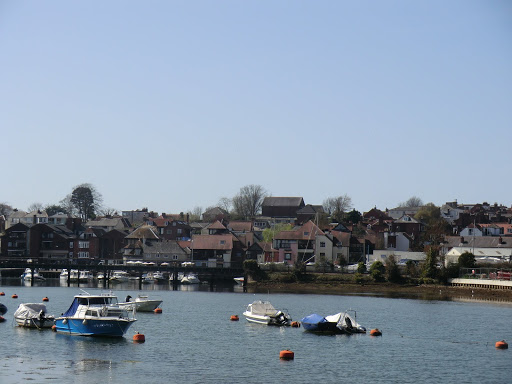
x=423, y=292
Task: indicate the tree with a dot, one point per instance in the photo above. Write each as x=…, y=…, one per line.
x=392, y=270
x=429, y=269
x=225, y=203
x=86, y=201
x=54, y=209
x=413, y=201
x=247, y=203
x=195, y=214
x=106, y=211
x=35, y=207
x=353, y=216
x=337, y=206
x=467, y=260
x=377, y=270
x=5, y=209
x=269, y=233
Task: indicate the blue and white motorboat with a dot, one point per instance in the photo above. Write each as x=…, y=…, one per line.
x=340, y=323
x=95, y=315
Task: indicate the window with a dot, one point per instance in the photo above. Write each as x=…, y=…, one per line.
x=322, y=244
x=180, y=231
x=175, y=257
x=306, y=233
x=287, y=256
x=83, y=244
x=222, y=242
x=169, y=231
x=71, y=244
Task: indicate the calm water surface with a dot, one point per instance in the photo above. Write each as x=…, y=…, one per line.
x=194, y=341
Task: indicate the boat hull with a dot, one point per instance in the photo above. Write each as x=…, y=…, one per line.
x=93, y=327
x=257, y=319
x=34, y=322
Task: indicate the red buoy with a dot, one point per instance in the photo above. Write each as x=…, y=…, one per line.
x=286, y=355
x=15, y=296
x=295, y=324
x=501, y=344
x=54, y=328
x=139, y=338
x=2, y=294
x=375, y=332
x=45, y=298
x=2, y=319
x=158, y=310
x=234, y=318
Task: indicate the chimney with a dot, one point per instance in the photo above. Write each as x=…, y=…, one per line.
x=187, y=217
x=35, y=219
x=462, y=239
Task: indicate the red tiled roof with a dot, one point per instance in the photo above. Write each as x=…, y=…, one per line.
x=219, y=242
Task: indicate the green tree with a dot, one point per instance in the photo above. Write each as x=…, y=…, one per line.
x=377, y=271
x=53, y=209
x=467, y=260
x=429, y=269
x=270, y=233
x=411, y=268
x=86, y=201
x=353, y=216
x=392, y=270
x=361, y=267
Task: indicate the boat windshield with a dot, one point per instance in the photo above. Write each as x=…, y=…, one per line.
x=98, y=300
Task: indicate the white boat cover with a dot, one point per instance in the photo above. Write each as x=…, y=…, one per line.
x=263, y=308
x=29, y=310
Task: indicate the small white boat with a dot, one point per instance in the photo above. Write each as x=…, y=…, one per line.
x=120, y=276
x=27, y=275
x=239, y=280
x=33, y=315
x=73, y=275
x=142, y=303
x=190, y=278
x=262, y=312
x=85, y=276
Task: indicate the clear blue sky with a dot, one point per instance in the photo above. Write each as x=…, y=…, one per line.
x=172, y=105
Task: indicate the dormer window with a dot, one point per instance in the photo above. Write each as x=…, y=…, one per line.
x=306, y=233
x=222, y=242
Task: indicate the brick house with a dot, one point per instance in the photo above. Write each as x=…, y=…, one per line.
x=282, y=209
x=297, y=244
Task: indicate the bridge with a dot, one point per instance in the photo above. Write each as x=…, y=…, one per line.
x=53, y=269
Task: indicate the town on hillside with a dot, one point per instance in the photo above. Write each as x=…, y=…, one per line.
x=285, y=232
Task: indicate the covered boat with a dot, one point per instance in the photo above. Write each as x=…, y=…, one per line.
x=142, y=303
x=263, y=312
x=341, y=323
x=33, y=315
x=3, y=309
x=28, y=274
x=95, y=315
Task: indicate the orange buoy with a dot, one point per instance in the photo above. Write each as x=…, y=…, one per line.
x=2, y=319
x=139, y=337
x=295, y=324
x=375, y=332
x=2, y=294
x=501, y=344
x=286, y=355
x=45, y=298
x=54, y=328
x=234, y=318
x=15, y=296
x=158, y=310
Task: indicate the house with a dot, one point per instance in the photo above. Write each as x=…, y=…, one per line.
x=309, y=212
x=282, y=209
x=474, y=230
x=135, y=217
x=215, y=214
x=56, y=242
x=133, y=251
x=15, y=243
x=297, y=244
x=408, y=225
x=215, y=228
x=170, y=229
x=240, y=227
x=397, y=213
x=212, y=250
x=34, y=217
x=109, y=223
x=166, y=251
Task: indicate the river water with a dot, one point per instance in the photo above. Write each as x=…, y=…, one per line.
x=194, y=341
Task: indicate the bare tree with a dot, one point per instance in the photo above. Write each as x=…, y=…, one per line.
x=195, y=214
x=225, y=203
x=106, y=211
x=413, y=201
x=337, y=206
x=247, y=204
x=5, y=209
x=35, y=207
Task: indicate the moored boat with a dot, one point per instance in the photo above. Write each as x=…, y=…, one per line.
x=120, y=276
x=27, y=275
x=33, y=315
x=263, y=312
x=340, y=323
x=142, y=303
x=190, y=278
x=95, y=315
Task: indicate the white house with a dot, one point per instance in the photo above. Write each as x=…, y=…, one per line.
x=481, y=254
